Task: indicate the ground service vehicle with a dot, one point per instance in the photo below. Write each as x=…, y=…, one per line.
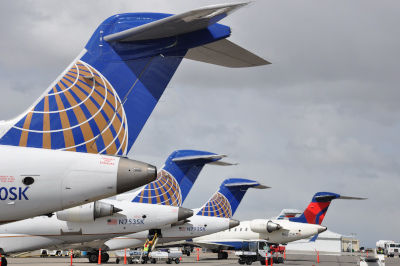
x=252, y=251
x=391, y=248
x=370, y=261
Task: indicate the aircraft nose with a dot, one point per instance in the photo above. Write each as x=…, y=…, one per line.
x=322, y=229
x=184, y=213
x=233, y=223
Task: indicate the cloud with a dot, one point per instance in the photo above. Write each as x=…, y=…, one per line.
x=323, y=117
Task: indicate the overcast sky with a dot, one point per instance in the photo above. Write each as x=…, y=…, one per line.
x=325, y=116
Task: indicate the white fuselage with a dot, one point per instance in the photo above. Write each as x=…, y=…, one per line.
x=198, y=226
x=61, y=180
x=291, y=231
x=40, y=232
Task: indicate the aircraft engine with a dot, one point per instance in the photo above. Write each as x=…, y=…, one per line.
x=264, y=226
x=131, y=170
x=88, y=212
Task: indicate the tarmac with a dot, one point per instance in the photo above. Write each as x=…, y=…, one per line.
x=342, y=259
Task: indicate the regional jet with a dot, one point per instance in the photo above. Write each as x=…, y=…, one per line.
x=70, y=146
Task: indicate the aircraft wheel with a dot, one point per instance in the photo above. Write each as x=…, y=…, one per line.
x=105, y=257
x=188, y=253
x=177, y=261
x=93, y=258
x=224, y=255
x=117, y=261
x=220, y=256
x=249, y=261
x=241, y=261
x=153, y=261
x=3, y=261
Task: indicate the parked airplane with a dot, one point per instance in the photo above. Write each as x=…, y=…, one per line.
x=92, y=224
x=99, y=105
x=214, y=216
x=277, y=231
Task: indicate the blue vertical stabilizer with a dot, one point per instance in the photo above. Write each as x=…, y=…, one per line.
x=176, y=178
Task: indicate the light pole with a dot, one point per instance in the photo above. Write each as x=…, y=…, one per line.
x=352, y=236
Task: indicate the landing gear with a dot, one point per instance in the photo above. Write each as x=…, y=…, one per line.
x=94, y=257
x=3, y=261
x=222, y=255
x=186, y=250
x=105, y=257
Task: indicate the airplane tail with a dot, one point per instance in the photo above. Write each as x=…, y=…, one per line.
x=101, y=102
x=316, y=210
x=176, y=178
x=226, y=200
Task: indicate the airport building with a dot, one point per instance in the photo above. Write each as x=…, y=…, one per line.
x=327, y=241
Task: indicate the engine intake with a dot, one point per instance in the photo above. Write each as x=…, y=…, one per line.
x=264, y=226
x=88, y=212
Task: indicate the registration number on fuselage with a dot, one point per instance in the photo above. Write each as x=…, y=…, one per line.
x=291, y=234
x=192, y=229
x=130, y=221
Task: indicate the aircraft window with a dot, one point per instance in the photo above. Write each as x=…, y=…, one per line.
x=245, y=229
x=240, y=229
x=28, y=181
x=229, y=230
x=235, y=229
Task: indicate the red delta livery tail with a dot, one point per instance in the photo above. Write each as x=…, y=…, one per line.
x=316, y=210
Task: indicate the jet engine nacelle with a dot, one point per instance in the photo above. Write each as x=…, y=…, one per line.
x=264, y=226
x=88, y=212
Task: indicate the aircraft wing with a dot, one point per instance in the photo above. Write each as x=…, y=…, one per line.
x=79, y=246
x=212, y=245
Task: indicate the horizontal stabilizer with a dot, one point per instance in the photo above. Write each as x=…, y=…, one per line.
x=326, y=196
x=199, y=157
x=225, y=53
x=215, y=157
x=354, y=198
x=247, y=184
x=190, y=21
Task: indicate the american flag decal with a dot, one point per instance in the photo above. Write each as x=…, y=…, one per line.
x=182, y=228
x=112, y=221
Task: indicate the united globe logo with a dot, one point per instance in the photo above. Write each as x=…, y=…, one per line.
x=81, y=112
